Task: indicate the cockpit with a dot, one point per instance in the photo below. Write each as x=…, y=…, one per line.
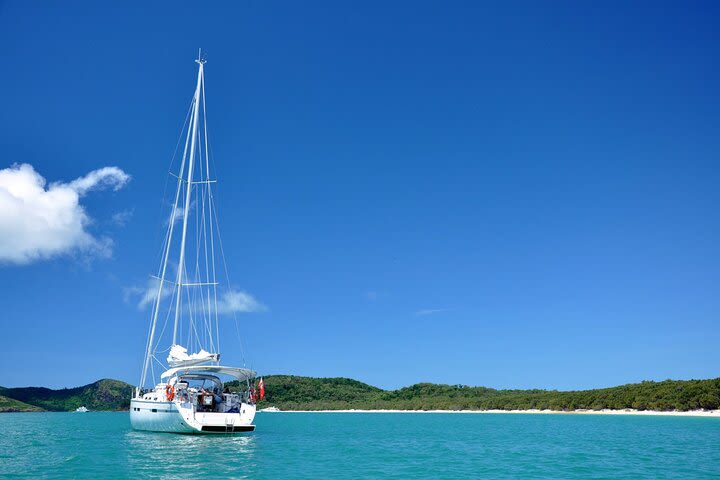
x=206, y=393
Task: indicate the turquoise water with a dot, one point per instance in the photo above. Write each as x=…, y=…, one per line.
x=375, y=445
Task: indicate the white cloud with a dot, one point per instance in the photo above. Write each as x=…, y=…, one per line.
x=238, y=301
x=121, y=218
x=145, y=296
x=176, y=214
x=38, y=222
x=100, y=178
x=231, y=301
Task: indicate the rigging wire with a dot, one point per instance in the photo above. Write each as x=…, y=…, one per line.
x=167, y=177
x=167, y=235
x=204, y=189
x=158, y=298
x=227, y=276
x=210, y=221
x=200, y=314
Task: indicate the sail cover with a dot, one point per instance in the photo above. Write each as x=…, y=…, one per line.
x=179, y=357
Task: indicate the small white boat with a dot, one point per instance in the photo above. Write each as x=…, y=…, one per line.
x=270, y=409
x=190, y=396
x=81, y=409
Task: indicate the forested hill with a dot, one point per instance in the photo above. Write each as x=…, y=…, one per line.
x=12, y=405
x=104, y=394
x=304, y=393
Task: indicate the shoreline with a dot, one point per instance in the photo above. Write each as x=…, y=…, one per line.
x=629, y=411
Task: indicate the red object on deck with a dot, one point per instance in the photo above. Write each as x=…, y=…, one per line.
x=261, y=387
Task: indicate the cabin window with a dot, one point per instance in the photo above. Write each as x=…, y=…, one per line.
x=154, y=410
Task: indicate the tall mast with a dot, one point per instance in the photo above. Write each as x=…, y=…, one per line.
x=188, y=191
x=163, y=270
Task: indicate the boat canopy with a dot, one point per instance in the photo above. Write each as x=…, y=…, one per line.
x=197, y=376
x=237, y=373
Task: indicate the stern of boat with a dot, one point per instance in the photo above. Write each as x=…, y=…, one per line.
x=217, y=422
x=177, y=417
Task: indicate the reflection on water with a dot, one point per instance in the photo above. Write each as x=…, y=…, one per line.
x=168, y=454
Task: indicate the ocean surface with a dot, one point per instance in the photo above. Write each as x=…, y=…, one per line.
x=366, y=445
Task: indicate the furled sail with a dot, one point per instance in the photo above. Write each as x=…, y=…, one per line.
x=179, y=357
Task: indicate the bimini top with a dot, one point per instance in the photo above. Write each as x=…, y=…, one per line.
x=238, y=373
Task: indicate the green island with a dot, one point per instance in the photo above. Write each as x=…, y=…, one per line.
x=11, y=405
x=303, y=393
x=288, y=392
x=105, y=394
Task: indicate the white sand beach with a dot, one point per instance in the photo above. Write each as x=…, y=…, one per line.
x=629, y=411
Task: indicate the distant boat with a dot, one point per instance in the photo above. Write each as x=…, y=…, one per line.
x=190, y=396
x=81, y=410
x=270, y=409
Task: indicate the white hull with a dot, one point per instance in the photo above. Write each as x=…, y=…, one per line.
x=176, y=417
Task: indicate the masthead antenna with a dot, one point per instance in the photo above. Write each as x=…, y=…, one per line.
x=200, y=58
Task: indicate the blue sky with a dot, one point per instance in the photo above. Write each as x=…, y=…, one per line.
x=516, y=195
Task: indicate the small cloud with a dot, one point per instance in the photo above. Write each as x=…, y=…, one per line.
x=175, y=215
x=121, y=218
x=430, y=311
x=38, y=222
x=145, y=296
x=234, y=301
x=100, y=178
x=130, y=292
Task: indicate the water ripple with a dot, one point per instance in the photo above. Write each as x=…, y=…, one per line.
x=339, y=446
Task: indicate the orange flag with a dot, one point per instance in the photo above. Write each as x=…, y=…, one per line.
x=261, y=387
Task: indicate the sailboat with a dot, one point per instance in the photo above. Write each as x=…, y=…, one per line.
x=190, y=395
